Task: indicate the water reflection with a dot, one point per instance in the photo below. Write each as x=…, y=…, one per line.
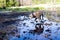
x=51, y=30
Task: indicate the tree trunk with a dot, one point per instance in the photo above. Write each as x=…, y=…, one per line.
x=24, y=2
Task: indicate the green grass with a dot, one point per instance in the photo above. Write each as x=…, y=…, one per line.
x=26, y=9
x=57, y=1
x=45, y=1
x=23, y=9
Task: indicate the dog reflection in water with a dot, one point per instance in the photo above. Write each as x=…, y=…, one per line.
x=38, y=29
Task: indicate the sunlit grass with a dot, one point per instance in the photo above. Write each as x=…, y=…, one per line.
x=26, y=9
x=57, y=1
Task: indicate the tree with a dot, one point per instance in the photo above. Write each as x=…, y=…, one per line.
x=10, y=3
x=2, y=3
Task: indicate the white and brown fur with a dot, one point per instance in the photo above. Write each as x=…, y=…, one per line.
x=36, y=14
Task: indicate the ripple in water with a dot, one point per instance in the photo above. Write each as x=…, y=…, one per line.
x=29, y=31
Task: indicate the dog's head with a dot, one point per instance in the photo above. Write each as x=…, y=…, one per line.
x=36, y=14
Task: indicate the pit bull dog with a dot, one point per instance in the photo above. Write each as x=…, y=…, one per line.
x=36, y=15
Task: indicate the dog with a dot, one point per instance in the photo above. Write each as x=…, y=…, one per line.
x=36, y=15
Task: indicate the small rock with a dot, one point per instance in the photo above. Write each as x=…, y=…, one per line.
x=48, y=30
x=58, y=28
x=24, y=31
x=1, y=38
